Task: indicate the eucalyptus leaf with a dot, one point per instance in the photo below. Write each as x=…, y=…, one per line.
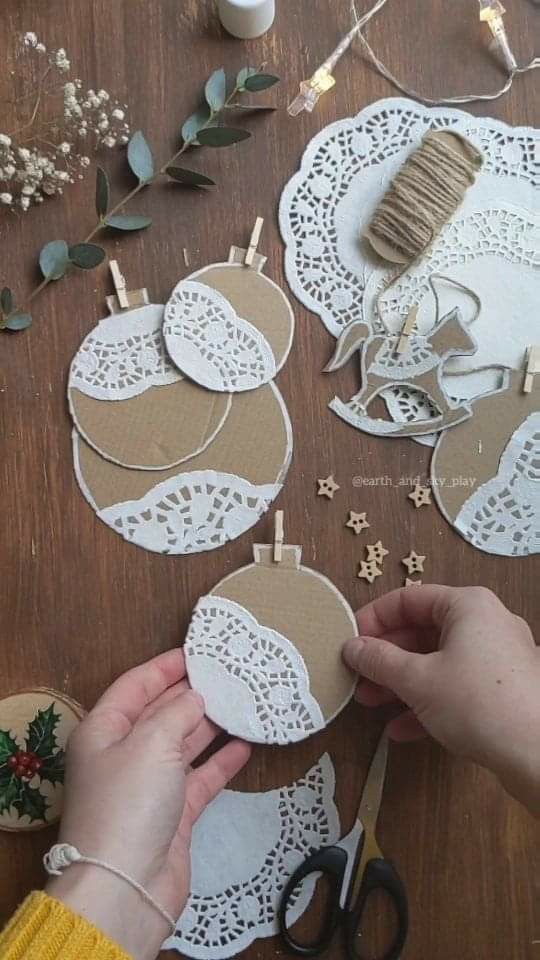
x=260, y=81
x=215, y=90
x=102, y=192
x=54, y=259
x=221, y=136
x=6, y=300
x=18, y=321
x=251, y=107
x=193, y=124
x=86, y=255
x=140, y=157
x=191, y=178
x=243, y=74
x=125, y=222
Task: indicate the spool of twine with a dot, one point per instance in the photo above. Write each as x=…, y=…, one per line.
x=423, y=196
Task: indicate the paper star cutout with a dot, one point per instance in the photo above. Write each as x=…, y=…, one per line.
x=357, y=521
x=420, y=496
x=368, y=570
x=414, y=563
x=412, y=583
x=327, y=487
x=376, y=552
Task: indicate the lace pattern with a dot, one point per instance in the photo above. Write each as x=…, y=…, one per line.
x=123, y=356
x=254, y=680
x=244, y=849
x=213, y=345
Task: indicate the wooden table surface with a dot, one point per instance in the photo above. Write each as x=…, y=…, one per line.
x=79, y=605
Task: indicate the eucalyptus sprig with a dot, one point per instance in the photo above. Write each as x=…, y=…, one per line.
x=204, y=128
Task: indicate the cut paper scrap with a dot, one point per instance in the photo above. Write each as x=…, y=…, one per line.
x=214, y=497
x=34, y=729
x=245, y=847
x=264, y=650
x=419, y=365
x=131, y=404
x=228, y=326
x=485, y=474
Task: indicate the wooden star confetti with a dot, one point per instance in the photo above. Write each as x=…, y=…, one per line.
x=376, y=552
x=420, y=496
x=357, y=521
x=412, y=583
x=327, y=487
x=368, y=571
x=414, y=563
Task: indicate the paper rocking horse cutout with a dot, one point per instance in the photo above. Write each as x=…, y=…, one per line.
x=410, y=360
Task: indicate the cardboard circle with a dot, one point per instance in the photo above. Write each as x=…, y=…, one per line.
x=259, y=316
x=216, y=496
x=131, y=404
x=33, y=804
x=246, y=639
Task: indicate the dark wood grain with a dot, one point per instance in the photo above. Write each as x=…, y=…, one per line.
x=79, y=606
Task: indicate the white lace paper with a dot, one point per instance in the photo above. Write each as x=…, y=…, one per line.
x=123, y=356
x=211, y=344
x=244, y=849
x=253, y=679
x=503, y=515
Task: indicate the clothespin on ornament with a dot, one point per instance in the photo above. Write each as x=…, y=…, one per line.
x=278, y=536
x=249, y=257
x=532, y=367
x=407, y=330
x=254, y=241
x=124, y=299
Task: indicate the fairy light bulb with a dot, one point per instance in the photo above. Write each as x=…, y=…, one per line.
x=492, y=13
x=322, y=80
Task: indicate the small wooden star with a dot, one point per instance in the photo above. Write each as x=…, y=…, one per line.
x=357, y=521
x=412, y=583
x=376, y=552
x=414, y=563
x=327, y=487
x=420, y=496
x=368, y=571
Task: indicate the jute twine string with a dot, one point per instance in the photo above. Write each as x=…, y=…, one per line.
x=424, y=194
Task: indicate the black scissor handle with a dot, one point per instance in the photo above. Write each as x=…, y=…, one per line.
x=379, y=875
x=331, y=862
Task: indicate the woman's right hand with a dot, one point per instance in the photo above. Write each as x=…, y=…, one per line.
x=467, y=669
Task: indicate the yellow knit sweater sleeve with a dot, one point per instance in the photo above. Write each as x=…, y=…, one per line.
x=44, y=929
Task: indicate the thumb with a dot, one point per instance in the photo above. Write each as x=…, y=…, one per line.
x=387, y=665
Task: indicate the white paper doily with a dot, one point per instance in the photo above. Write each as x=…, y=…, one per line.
x=245, y=847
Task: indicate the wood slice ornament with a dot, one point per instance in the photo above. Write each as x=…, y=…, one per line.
x=228, y=327
x=34, y=729
x=264, y=649
x=485, y=474
x=127, y=399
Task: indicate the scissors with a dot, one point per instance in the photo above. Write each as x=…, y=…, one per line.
x=354, y=871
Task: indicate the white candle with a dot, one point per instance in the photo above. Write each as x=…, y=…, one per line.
x=246, y=18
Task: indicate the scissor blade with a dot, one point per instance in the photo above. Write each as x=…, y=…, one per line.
x=368, y=811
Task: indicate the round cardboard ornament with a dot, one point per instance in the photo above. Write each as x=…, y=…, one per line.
x=264, y=649
x=34, y=729
x=131, y=404
x=212, y=498
x=228, y=326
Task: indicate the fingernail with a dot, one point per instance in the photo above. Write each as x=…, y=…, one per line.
x=352, y=647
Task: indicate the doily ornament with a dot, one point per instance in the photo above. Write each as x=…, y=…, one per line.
x=34, y=729
x=131, y=403
x=264, y=650
x=228, y=326
x=215, y=496
x=485, y=474
x=245, y=847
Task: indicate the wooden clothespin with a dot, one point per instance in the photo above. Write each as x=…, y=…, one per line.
x=253, y=243
x=124, y=299
x=278, y=536
x=532, y=366
x=408, y=328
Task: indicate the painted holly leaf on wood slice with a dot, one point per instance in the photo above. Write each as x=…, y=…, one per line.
x=41, y=738
x=53, y=768
x=10, y=789
x=8, y=746
x=31, y=803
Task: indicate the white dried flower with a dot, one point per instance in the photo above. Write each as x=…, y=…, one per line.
x=82, y=131
x=65, y=148
x=41, y=48
x=62, y=175
x=69, y=90
x=28, y=190
x=9, y=170
x=109, y=141
x=5, y=141
x=25, y=202
x=23, y=153
x=61, y=60
x=30, y=39
x=103, y=125
x=103, y=96
x=123, y=139
x=6, y=198
x=118, y=114
x=84, y=161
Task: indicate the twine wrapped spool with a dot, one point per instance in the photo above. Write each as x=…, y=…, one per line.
x=423, y=196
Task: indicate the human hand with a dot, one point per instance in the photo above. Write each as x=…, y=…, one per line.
x=467, y=668
x=131, y=800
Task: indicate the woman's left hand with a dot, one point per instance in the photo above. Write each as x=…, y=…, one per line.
x=131, y=799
